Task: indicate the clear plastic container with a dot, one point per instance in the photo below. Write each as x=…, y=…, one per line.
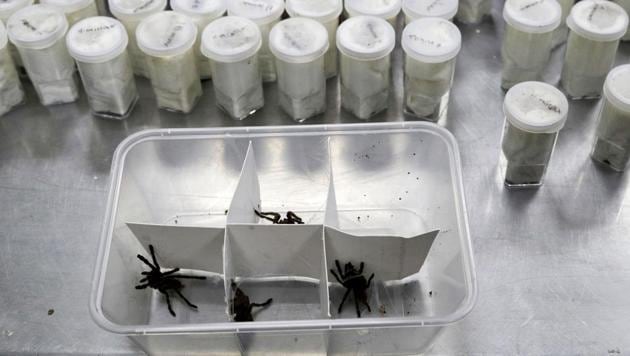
x=535, y=112
x=180, y=184
x=299, y=45
x=99, y=46
x=167, y=40
x=38, y=33
x=612, y=139
x=560, y=34
x=130, y=13
x=327, y=12
x=528, y=39
x=431, y=45
x=385, y=9
x=202, y=12
x=365, y=44
x=596, y=28
x=232, y=44
x=11, y=93
x=473, y=11
x=417, y=9
x=75, y=10
x=265, y=13
x=8, y=8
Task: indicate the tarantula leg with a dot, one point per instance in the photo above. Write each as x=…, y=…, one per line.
x=174, y=270
x=339, y=269
x=168, y=302
x=145, y=261
x=187, y=277
x=369, y=281
x=336, y=276
x=185, y=300
x=262, y=305
x=343, y=300
x=356, y=305
x=361, y=267
x=142, y=286
x=294, y=218
x=275, y=217
x=367, y=305
x=157, y=265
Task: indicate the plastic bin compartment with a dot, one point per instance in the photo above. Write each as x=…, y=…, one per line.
x=373, y=193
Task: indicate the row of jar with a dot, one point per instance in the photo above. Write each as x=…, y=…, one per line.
x=535, y=112
x=596, y=28
x=229, y=47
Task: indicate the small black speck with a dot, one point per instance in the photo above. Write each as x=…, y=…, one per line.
x=430, y=293
x=413, y=154
x=408, y=172
x=365, y=195
x=295, y=339
x=51, y=311
x=225, y=212
x=368, y=216
x=358, y=218
x=417, y=178
x=367, y=156
x=406, y=192
x=399, y=198
x=408, y=313
x=175, y=221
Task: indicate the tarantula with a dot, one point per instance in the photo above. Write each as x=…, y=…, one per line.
x=276, y=218
x=163, y=281
x=241, y=308
x=354, y=281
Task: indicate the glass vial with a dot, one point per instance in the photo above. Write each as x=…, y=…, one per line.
x=201, y=12
x=417, y=9
x=596, y=27
x=38, y=33
x=535, y=112
x=11, y=93
x=327, y=13
x=8, y=8
x=167, y=40
x=385, y=9
x=99, y=46
x=299, y=45
x=232, y=44
x=365, y=45
x=75, y=10
x=529, y=28
x=560, y=34
x=130, y=13
x=265, y=13
x=473, y=11
x=431, y=45
x=612, y=140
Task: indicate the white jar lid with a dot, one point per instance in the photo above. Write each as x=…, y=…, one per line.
x=165, y=34
x=210, y=9
x=417, y=9
x=298, y=40
x=431, y=40
x=37, y=26
x=320, y=10
x=135, y=9
x=380, y=8
x=533, y=16
x=536, y=107
x=598, y=20
x=8, y=7
x=259, y=11
x=96, y=39
x=68, y=6
x=3, y=36
x=617, y=87
x=231, y=39
x=366, y=37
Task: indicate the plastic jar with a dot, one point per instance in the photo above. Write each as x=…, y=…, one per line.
x=232, y=44
x=8, y=8
x=99, y=46
x=417, y=9
x=299, y=45
x=528, y=39
x=167, y=40
x=612, y=141
x=201, y=12
x=596, y=27
x=130, y=13
x=365, y=44
x=431, y=45
x=75, y=10
x=326, y=12
x=385, y=9
x=560, y=34
x=473, y=11
x=11, y=93
x=265, y=13
x=38, y=33
x=535, y=113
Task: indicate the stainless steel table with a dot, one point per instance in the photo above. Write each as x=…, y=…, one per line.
x=553, y=264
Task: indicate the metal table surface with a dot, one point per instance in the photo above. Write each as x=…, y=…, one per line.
x=553, y=264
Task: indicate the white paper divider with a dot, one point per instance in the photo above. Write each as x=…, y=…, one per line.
x=247, y=195
x=187, y=247
x=388, y=257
